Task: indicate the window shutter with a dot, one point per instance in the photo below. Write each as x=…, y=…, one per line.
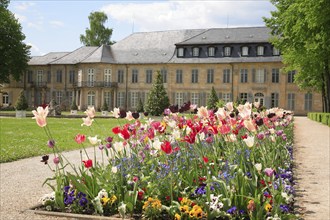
x=267, y=102
x=250, y=98
x=253, y=75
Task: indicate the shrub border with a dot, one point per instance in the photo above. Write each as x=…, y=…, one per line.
x=321, y=117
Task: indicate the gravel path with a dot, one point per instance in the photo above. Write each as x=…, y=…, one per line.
x=21, y=181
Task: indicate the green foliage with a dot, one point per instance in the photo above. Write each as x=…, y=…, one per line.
x=301, y=31
x=140, y=107
x=97, y=34
x=323, y=118
x=21, y=103
x=105, y=106
x=74, y=105
x=213, y=99
x=14, y=52
x=157, y=98
x=220, y=103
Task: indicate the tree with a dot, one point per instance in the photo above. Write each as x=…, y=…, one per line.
x=213, y=99
x=97, y=35
x=158, y=100
x=21, y=103
x=301, y=30
x=140, y=107
x=14, y=53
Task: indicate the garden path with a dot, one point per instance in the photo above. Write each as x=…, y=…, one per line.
x=20, y=181
x=312, y=169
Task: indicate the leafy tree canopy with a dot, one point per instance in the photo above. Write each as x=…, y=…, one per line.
x=301, y=30
x=14, y=53
x=97, y=34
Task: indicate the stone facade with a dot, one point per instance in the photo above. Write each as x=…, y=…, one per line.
x=191, y=62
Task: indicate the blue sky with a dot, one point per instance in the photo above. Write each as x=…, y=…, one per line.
x=55, y=26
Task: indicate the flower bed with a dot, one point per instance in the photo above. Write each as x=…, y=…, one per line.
x=233, y=163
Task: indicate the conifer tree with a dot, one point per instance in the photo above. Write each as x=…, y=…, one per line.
x=213, y=99
x=157, y=98
x=21, y=103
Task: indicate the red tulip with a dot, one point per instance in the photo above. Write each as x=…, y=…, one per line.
x=88, y=163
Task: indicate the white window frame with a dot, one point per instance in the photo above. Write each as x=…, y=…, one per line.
x=179, y=98
x=179, y=75
x=227, y=51
x=134, y=99
x=244, y=75
x=275, y=75
x=211, y=51
x=195, y=51
x=120, y=76
x=243, y=96
x=135, y=76
x=260, y=50
x=5, y=99
x=194, y=76
x=180, y=52
x=226, y=97
x=291, y=101
x=194, y=98
x=260, y=76
x=149, y=76
x=276, y=52
x=210, y=76
x=308, y=102
x=58, y=97
x=91, y=98
x=226, y=76
x=107, y=77
x=90, y=77
x=120, y=99
x=40, y=74
x=245, y=51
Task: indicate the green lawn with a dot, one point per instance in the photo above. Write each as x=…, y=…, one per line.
x=22, y=138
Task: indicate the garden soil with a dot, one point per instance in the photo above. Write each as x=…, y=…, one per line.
x=21, y=181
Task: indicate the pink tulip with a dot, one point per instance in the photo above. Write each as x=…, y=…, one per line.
x=87, y=121
x=202, y=112
x=40, y=116
x=248, y=123
x=90, y=112
x=269, y=172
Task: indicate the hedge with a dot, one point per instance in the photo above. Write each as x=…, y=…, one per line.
x=324, y=118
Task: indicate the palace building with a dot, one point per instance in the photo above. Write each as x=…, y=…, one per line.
x=240, y=63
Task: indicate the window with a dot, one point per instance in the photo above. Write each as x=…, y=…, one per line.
x=243, y=97
x=91, y=98
x=260, y=76
x=260, y=50
x=226, y=97
x=195, y=52
x=120, y=76
x=274, y=101
x=49, y=77
x=276, y=52
x=211, y=51
x=210, y=75
x=90, y=77
x=244, y=75
x=227, y=51
x=148, y=76
x=70, y=93
x=275, y=75
x=107, y=77
x=259, y=97
x=135, y=76
x=120, y=99
x=179, y=98
x=178, y=76
x=107, y=98
x=180, y=52
x=291, y=101
x=308, y=101
x=72, y=76
x=58, y=97
x=291, y=76
x=226, y=76
x=134, y=99
x=39, y=77
x=245, y=51
x=5, y=98
x=30, y=76
x=194, y=76
x=194, y=98
x=59, y=76
x=163, y=72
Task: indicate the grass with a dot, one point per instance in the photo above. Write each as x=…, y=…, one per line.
x=23, y=138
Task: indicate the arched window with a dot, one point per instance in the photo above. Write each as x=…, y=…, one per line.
x=91, y=98
x=5, y=98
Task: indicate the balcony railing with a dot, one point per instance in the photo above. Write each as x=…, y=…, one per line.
x=38, y=84
x=96, y=84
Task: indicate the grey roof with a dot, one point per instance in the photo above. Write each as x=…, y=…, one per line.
x=160, y=47
x=46, y=59
x=76, y=56
x=150, y=47
x=230, y=35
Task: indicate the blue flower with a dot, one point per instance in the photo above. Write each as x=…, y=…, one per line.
x=232, y=210
x=284, y=208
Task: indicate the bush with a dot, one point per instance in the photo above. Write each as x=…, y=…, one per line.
x=323, y=118
x=213, y=99
x=74, y=105
x=105, y=106
x=140, y=107
x=21, y=103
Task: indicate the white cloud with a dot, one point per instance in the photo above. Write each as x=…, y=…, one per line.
x=24, y=6
x=35, y=51
x=21, y=18
x=56, y=23
x=152, y=16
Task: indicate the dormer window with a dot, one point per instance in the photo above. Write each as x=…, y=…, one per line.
x=180, y=52
x=276, y=52
x=195, y=52
x=245, y=51
x=211, y=51
x=227, y=51
x=260, y=50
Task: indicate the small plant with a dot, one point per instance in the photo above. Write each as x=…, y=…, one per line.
x=21, y=103
x=213, y=99
x=105, y=106
x=140, y=107
x=74, y=105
